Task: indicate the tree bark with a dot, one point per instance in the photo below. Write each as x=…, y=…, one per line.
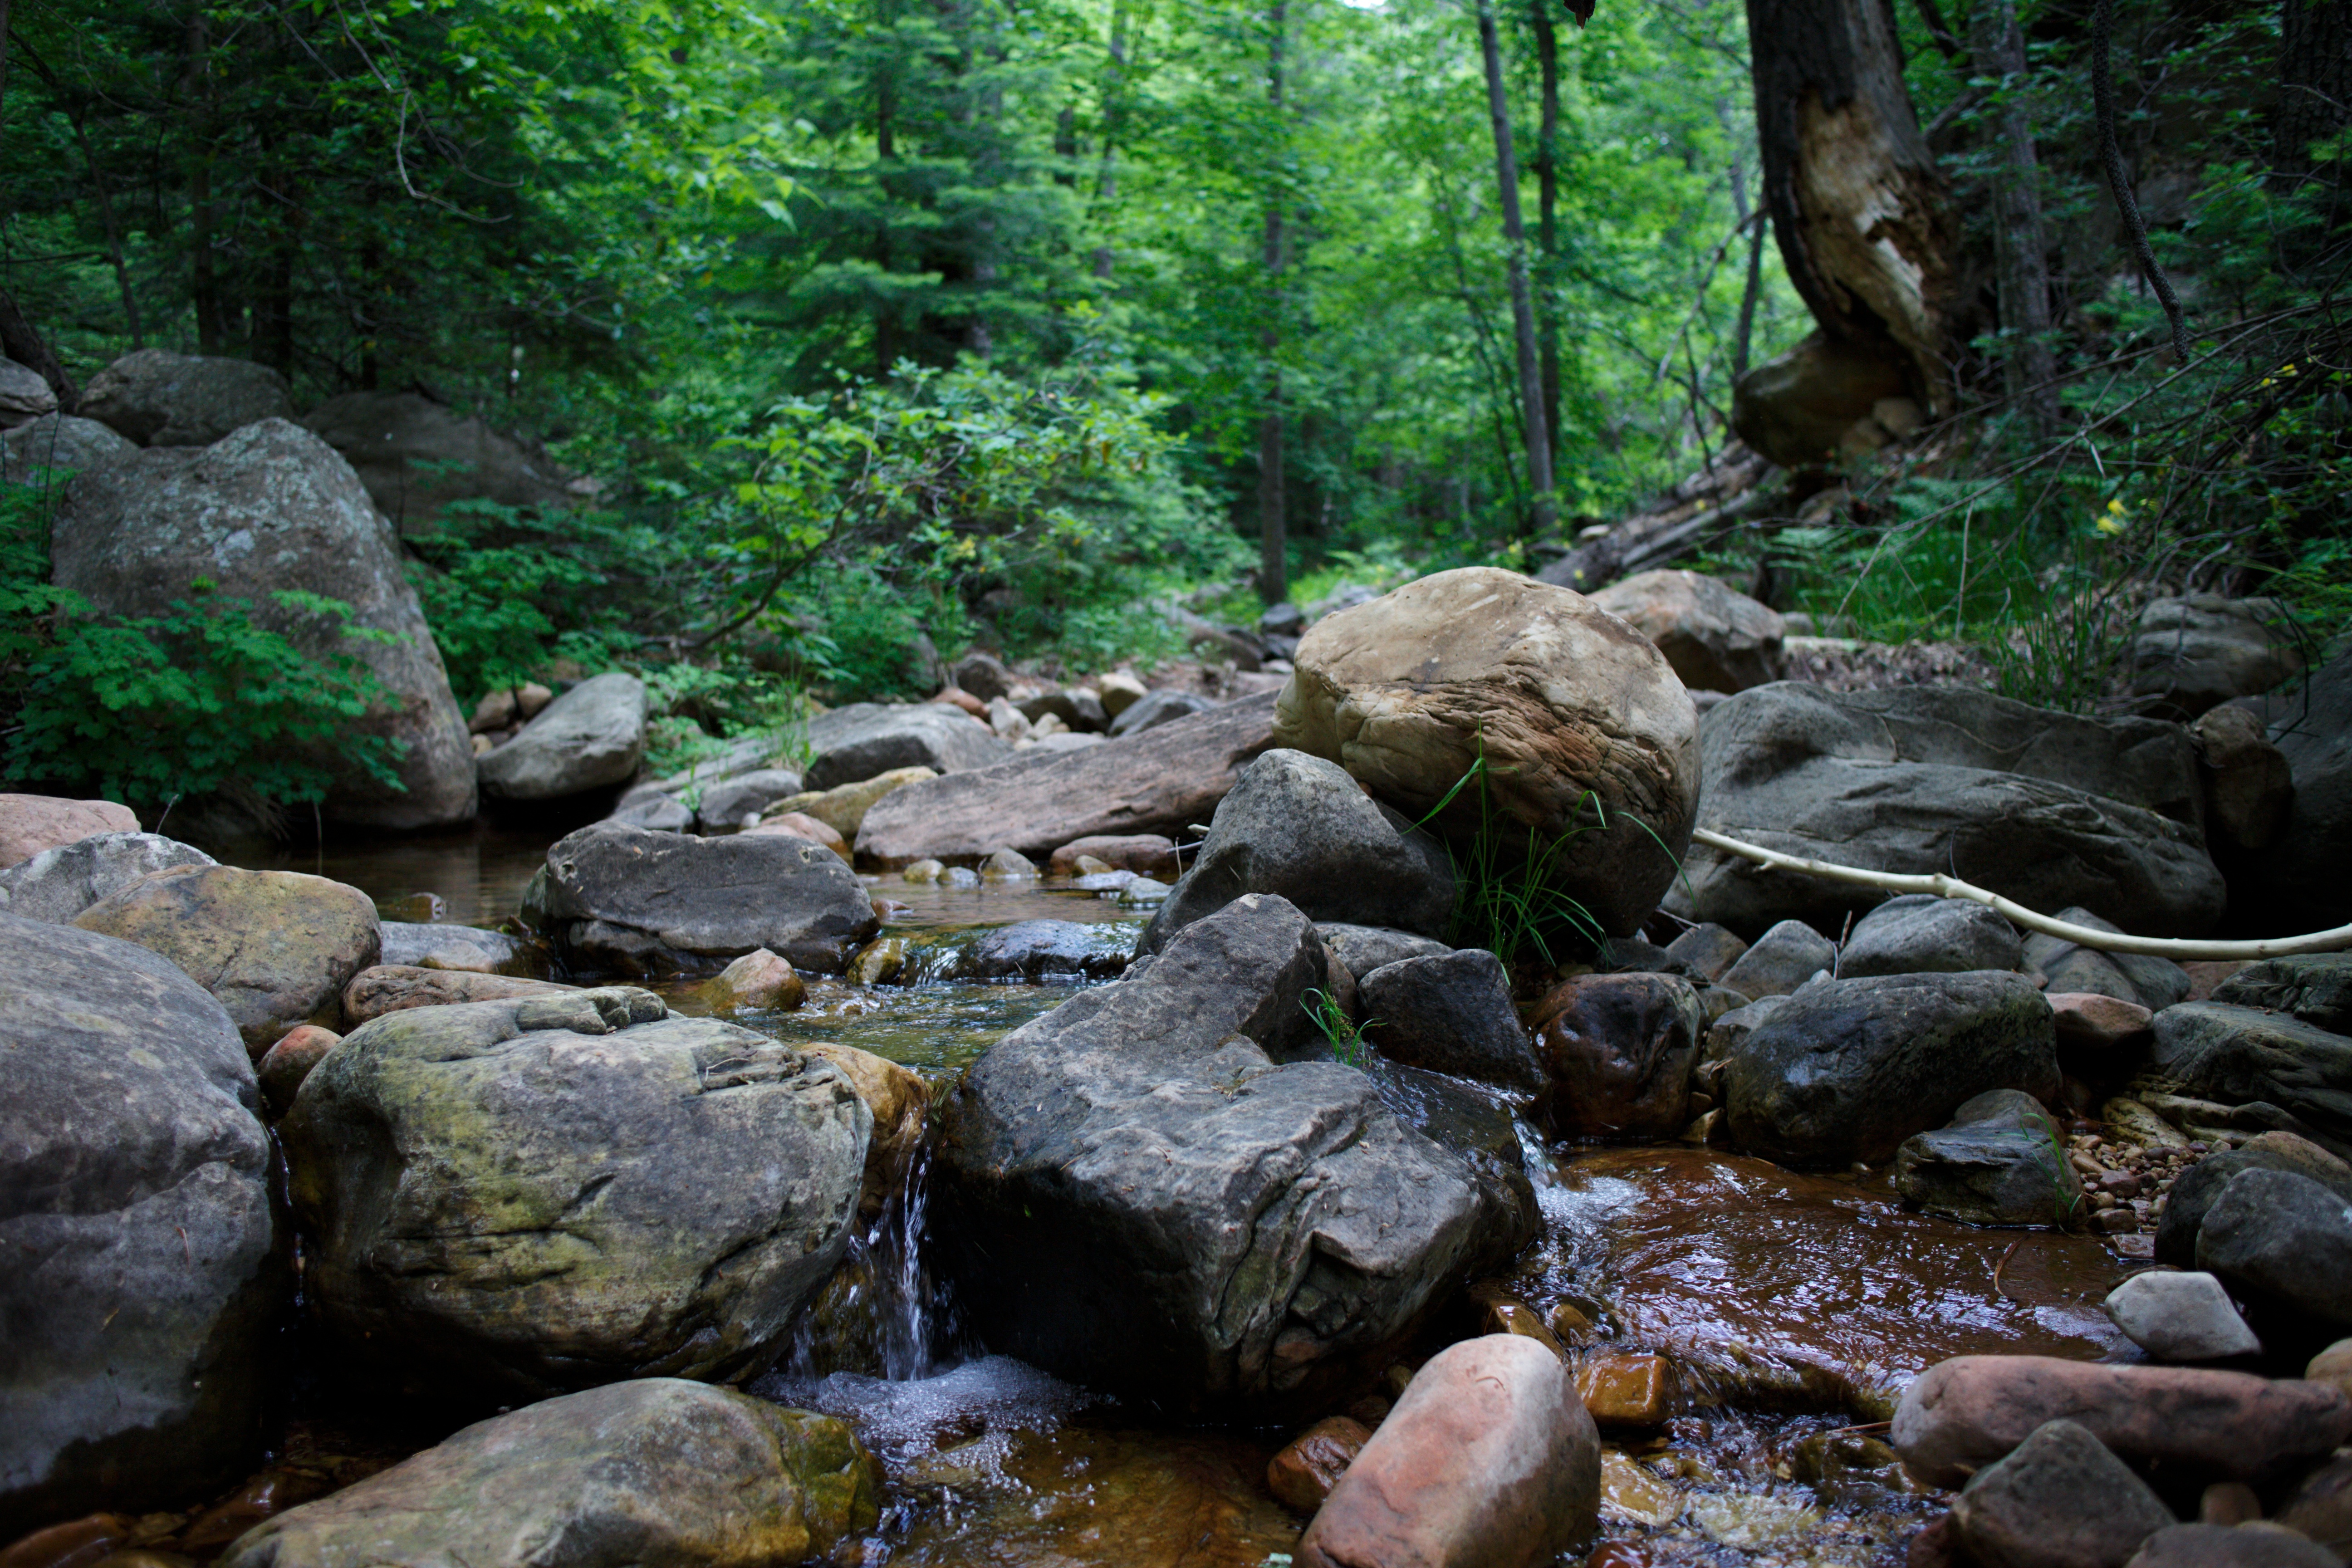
x=1113, y=127
x=1547, y=219
x=1274, y=565
x=2020, y=247
x=204, y=285
x=1523, y=317
x=1857, y=205
x=2314, y=88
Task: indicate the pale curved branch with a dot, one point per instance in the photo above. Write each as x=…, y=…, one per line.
x=2175, y=948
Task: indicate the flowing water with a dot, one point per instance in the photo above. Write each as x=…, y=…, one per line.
x=1793, y=1307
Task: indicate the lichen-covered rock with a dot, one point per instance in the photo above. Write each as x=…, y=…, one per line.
x=159, y=398
x=58, y=884
x=56, y=445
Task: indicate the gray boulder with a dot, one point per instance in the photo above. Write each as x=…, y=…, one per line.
x=1134, y=1194
x=656, y=812
x=55, y=446
x=865, y=740
x=2155, y=983
x=416, y=456
x=1847, y=1069
x=24, y=396
x=57, y=885
x=1450, y=1013
x=2060, y=1498
x=269, y=508
x=513, y=1198
x=2179, y=1317
x=1783, y=959
x=2047, y=809
x=657, y=1470
x=162, y=399
x=468, y=949
x=2197, y=651
x=1707, y=952
x=1300, y=826
x=2286, y=1240
x=592, y=737
x=624, y=900
x=2001, y=1162
x=2243, y=1056
x=145, y=1279
x=2303, y=881
x=1035, y=950
x=2257, y=1544
x=984, y=676
x=2195, y=1190
x=1366, y=948
x=1919, y=933
x=2315, y=987
x=1618, y=1051
x=724, y=805
x=1157, y=707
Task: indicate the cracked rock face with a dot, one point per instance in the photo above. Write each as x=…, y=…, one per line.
x=514, y=1198
x=1140, y=1192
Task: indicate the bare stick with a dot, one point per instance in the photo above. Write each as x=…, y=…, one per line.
x=2111, y=155
x=1945, y=887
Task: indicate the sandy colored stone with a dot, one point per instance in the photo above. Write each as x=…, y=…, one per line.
x=1718, y=640
x=801, y=824
x=1626, y=1390
x=1146, y=854
x=843, y=807
x=32, y=823
x=390, y=987
x=900, y=1101
x=757, y=979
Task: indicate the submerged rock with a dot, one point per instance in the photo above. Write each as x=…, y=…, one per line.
x=1303, y=1473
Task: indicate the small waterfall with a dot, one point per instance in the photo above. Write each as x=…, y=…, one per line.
x=883, y=1314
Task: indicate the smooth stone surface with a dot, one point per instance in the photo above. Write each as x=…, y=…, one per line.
x=1155, y=708
x=2098, y=1025
x=469, y=948
x=1366, y=948
x=2321, y=1507
x=659, y=1471
x=1303, y=1473
x=760, y=981
x=58, y=884
x=1781, y=960
x=2242, y=1546
x=1847, y=1069
x=1299, y=827
x=1716, y=640
x=1146, y=854
x=159, y=398
x=516, y=1198
x=1967, y=1412
x=286, y=1063
x=2249, y=784
x=2154, y=983
x=2059, y=1500
x=727, y=802
x=841, y=809
x=2195, y=651
x=2180, y=1317
x=30, y=824
x=1617, y=1053
x=1708, y=950
x=591, y=737
x=393, y=987
x=416, y=456
x=2195, y=1190
x=1452, y=1014
x=146, y=1277
x=1035, y=950
x=1488, y=1461
x=2001, y=1162
x=2286, y=1240
x=659, y=813
x=1564, y=701
x=1919, y=933
x=864, y=740
x=800, y=824
x=2237, y=1055
x=276, y=948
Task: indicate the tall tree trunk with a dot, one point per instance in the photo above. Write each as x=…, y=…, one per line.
x=2020, y=246
x=1547, y=217
x=2314, y=88
x=204, y=285
x=1857, y=205
x=19, y=341
x=886, y=151
x=113, y=230
x=1523, y=316
x=1114, y=96
x=1273, y=566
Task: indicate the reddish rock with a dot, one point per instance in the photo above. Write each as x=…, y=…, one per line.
x=1500, y=1313
x=1488, y=1461
x=2321, y=1507
x=1303, y=1474
x=32, y=823
x=757, y=979
x=1146, y=854
x=286, y=1063
x=2090, y=1022
x=956, y=696
x=1623, y=1390
x=76, y=1544
x=1932, y=1547
x=800, y=824
x=1617, y=1051
x=396, y=987
x=2206, y=975
x=2332, y=1366
x=1965, y=1414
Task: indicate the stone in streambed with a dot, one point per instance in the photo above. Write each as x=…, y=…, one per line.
x=1311, y=1465
x=1706, y=951
x=2287, y=1241
x=867, y=740
x=2059, y=1500
x=801, y=824
x=2096, y=1025
x=2321, y=1507
x=1146, y=854
x=591, y=737
x=2001, y=1162
x=843, y=808
x=1782, y=960
x=466, y=948
x=2196, y=1188
x=1451, y=1014
x=58, y=884
x=1488, y=1461
x=758, y=980
x=2315, y=987
x=900, y=1103
x=726, y=803
x=1717, y=639
x=1919, y=933
x=2249, y=783
x=1039, y=950
x=2180, y=1317
x=1617, y=1053
x=1366, y=948
x=1154, y=709
x=30, y=824
x=286, y=1063
x=2155, y=983
x=2239, y=1056
x=2256, y=1545
x=389, y=988
x=659, y=1471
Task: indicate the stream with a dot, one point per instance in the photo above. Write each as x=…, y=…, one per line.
x=1791, y=1307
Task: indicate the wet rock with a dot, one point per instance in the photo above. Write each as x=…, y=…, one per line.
x=1782, y=960
x=900, y=1103
x=516, y=1198
x=1164, y=782
x=1706, y=951
x=286, y=1063
x=2217, y=1546
x=145, y=1281
x=2098, y=1026
x=1623, y=1389
x=800, y=824
x=1366, y=948
x=469, y=948
x=2048, y=808
x=1965, y=1414
x=58, y=884
x=1007, y=866
x=1562, y=701
x=2332, y=1366
x=267, y=508
x=1303, y=1473
x=2249, y=787
x=1729, y=1032
x=50, y=449
x=2195, y=1190
x=634, y=902
x=1452, y=1014
x=276, y=948
x=1617, y=1052
x=393, y=987
x=1299, y=826
x=2194, y=652
x=2303, y=881
x=1134, y=1194
x=2180, y=1317
x=1488, y=1458
x=2238, y=1055
x=843, y=807
x=2000, y=1163
x=2316, y=988
x=865, y=740
x=1847, y=1069
x=416, y=456
x=76, y=1544
x=2321, y=1507
x=2059, y=1500
x=1035, y=950
x=726, y=804
x=656, y=1470
x=758, y=980
x=1716, y=640
x=158, y=398
x=1919, y=933
x=1146, y=854
x=591, y=737
x=30, y=824
x=1155, y=708
x=2155, y=983
x=2285, y=1239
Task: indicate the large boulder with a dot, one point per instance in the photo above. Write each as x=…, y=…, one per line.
x=2303, y=881
x=634, y=903
x=145, y=1279
x=592, y=737
x=2315, y=987
x=1135, y=1194
x=2070, y=968
x=276, y=948
x=2244, y=1056
x=659, y=1471
x=30, y=824
x=1718, y=640
x=159, y=398
x=2287, y=1241
x=1298, y=826
x=2060, y=1499
x=1166, y=781
x=854, y=744
x=2048, y=808
x=267, y=508
x=2198, y=1188
x=1847, y=1069
x=23, y=395
x=1918, y=932
x=56, y=444
x=1588, y=742
x=416, y=456
x=518, y=1198
x=58, y=884
x=2195, y=652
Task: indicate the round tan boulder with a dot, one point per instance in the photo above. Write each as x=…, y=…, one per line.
x=1579, y=716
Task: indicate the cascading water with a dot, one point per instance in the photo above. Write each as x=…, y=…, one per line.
x=885, y=1315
